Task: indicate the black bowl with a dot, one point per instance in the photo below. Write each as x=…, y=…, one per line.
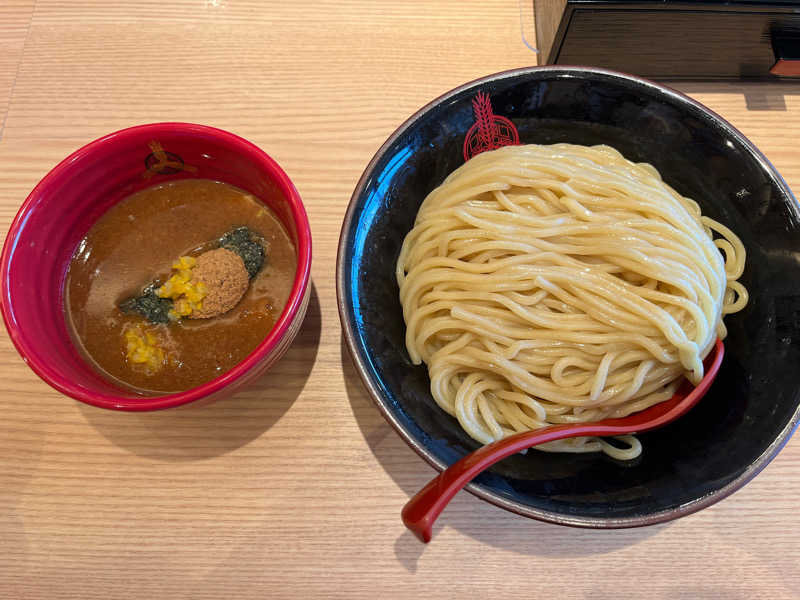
x=754, y=404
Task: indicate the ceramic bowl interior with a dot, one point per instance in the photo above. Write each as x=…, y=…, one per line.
x=752, y=407
x=70, y=199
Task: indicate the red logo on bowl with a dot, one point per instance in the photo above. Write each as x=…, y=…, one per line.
x=161, y=162
x=490, y=131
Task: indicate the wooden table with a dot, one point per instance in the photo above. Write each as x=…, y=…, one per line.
x=293, y=488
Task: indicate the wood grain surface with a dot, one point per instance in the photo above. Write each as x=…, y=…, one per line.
x=293, y=488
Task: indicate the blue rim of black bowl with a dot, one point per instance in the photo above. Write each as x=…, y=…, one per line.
x=360, y=360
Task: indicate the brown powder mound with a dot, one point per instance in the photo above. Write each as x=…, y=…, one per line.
x=226, y=280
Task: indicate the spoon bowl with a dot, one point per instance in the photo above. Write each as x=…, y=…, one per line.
x=421, y=511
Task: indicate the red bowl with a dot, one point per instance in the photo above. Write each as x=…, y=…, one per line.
x=70, y=199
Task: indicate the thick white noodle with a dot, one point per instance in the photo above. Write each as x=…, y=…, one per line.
x=562, y=284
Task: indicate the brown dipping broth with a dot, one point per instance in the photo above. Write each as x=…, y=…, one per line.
x=137, y=241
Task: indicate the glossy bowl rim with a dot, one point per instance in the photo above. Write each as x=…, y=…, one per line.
x=26, y=348
x=374, y=389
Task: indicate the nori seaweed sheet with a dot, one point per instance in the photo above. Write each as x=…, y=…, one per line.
x=148, y=305
x=245, y=243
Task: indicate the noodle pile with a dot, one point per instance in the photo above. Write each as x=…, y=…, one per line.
x=562, y=284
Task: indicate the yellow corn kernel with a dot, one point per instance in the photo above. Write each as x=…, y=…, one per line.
x=195, y=295
x=183, y=307
x=184, y=262
x=165, y=290
x=188, y=296
x=142, y=348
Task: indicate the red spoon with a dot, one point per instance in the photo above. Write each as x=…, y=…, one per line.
x=421, y=511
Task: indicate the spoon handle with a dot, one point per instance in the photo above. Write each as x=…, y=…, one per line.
x=421, y=511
